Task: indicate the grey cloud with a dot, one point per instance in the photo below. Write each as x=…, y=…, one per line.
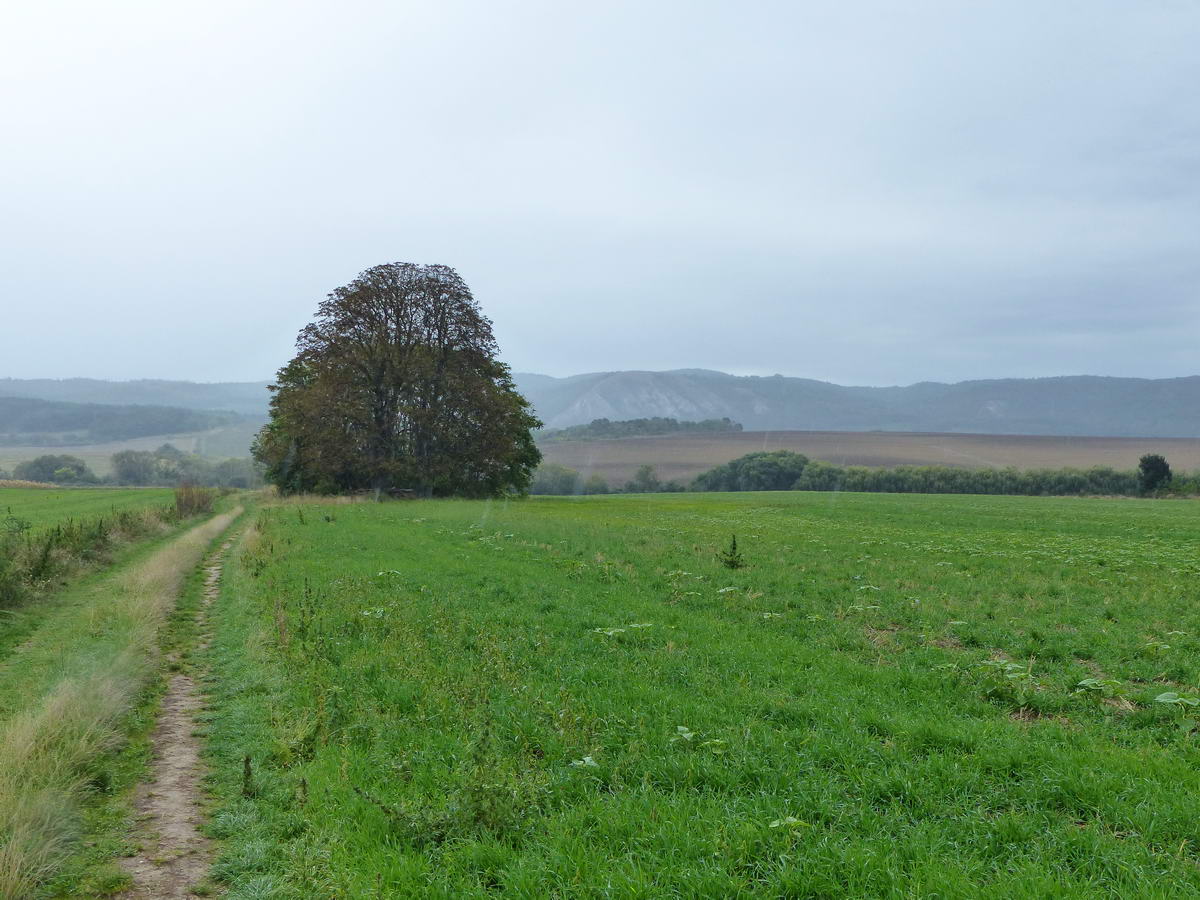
x=865, y=192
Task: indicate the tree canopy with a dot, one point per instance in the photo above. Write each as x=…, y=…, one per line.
x=56, y=469
x=1153, y=472
x=396, y=385
x=602, y=429
x=774, y=470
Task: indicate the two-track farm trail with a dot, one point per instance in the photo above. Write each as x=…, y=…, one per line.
x=174, y=855
x=65, y=700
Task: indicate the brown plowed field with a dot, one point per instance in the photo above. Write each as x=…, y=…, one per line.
x=683, y=457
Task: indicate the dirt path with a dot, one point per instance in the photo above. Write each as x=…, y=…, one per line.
x=175, y=856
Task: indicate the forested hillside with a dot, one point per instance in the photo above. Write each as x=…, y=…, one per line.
x=25, y=421
x=249, y=398
x=1068, y=405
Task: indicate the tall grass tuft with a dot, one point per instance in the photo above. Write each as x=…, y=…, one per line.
x=191, y=500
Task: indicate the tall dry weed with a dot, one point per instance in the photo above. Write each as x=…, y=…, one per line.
x=191, y=500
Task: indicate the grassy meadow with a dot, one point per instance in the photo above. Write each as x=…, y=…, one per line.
x=896, y=695
x=684, y=456
x=47, y=507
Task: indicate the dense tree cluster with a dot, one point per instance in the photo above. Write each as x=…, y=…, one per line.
x=770, y=471
x=54, y=468
x=396, y=385
x=783, y=470
x=774, y=470
x=819, y=476
x=602, y=429
x=169, y=466
x=164, y=467
x=552, y=478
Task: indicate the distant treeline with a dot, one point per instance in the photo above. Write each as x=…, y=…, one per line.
x=783, y=470
x=600, y=429
x=165, y=466
x=45, y=423
x=551, y=478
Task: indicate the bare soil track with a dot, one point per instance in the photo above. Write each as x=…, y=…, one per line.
x=175, y=855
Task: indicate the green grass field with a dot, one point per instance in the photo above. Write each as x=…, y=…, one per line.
x=42, y=507
x=897, y=695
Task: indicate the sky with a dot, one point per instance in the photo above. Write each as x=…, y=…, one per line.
x=860, y=192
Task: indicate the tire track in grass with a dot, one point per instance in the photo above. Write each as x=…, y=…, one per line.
x=175, y=855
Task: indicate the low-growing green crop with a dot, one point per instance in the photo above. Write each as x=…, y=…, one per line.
x=904, y=695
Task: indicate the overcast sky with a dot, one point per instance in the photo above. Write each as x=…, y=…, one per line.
x=868, y=193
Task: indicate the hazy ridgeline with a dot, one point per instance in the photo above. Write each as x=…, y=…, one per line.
x=1069, y=406
x=26, y=421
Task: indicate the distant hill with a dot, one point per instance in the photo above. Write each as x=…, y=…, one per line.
x=248, y=398
x=1069, y=405
x=26, y=421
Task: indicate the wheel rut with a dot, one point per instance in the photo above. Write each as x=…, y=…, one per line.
x=174, y=855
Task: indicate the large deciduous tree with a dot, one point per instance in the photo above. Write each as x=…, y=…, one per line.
x=396, y=385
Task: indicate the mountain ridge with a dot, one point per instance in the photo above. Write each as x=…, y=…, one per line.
x=1064, y=405
x=249, y=398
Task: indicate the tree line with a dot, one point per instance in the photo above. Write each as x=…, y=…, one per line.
x=603, y=429
x=784, y=470
x=164, y=467
x=552, y=478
